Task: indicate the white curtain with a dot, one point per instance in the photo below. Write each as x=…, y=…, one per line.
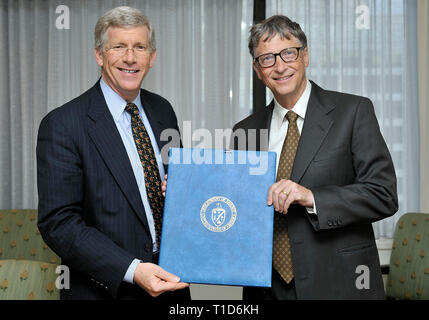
x=423, y=58
x=203, y=68
x=369, y=48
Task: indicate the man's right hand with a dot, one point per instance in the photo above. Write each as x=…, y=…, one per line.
x=155, y=280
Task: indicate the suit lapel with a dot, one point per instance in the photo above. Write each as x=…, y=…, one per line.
x=261, y=121
x=155, y=118
x=106, y=137
x=316, y=126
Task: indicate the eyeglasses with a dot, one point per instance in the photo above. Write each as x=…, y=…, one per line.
x=269, y=59
x=121, y=50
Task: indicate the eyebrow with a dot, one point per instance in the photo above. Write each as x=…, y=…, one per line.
x=262, y=54
x=135, y=44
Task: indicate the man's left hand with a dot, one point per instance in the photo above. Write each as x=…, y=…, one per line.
x=164, y=186
x=283, y=193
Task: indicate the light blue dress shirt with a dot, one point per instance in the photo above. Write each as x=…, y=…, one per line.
x=122, y=118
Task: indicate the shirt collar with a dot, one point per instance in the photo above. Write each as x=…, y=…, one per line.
x=300, y=108
x=115, y=102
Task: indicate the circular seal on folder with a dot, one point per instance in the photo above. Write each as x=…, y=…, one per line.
x=218, y=214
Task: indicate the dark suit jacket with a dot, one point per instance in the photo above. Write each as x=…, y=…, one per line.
x=90, y=210
x=343, y=159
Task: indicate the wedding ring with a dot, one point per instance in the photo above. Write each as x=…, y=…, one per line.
x=285, y=193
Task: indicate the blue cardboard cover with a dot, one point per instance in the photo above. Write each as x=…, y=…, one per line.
x=217, y=226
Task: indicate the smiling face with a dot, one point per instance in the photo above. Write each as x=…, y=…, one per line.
x=124, y=72
x=287, y=81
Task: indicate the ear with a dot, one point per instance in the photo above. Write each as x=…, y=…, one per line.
x=152, y=58
x=257, y=70
x=306, y=57
x=98, y=57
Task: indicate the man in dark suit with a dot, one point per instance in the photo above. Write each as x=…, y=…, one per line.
x=100, y=169
x=335, y=175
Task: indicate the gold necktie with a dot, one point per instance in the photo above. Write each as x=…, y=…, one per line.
x=281, y=247
x=150, y=167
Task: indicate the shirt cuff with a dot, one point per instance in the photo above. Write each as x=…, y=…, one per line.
x=129, y=275
x=312, y=210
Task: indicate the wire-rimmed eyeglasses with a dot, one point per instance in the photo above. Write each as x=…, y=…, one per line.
x=121, y=50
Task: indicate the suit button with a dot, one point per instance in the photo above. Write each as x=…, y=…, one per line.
x=147, y=247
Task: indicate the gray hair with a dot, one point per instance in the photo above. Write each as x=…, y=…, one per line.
x=275, y=25
x=122, y=17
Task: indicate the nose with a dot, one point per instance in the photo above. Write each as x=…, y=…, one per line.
x=280, y=65
x=129, y=56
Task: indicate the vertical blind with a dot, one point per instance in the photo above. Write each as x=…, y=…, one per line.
x=202, y=67
x=369, y=48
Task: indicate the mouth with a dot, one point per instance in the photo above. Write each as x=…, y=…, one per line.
x=128, y=71
x=285, y=78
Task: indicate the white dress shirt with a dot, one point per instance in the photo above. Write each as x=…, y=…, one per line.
x=122, y=118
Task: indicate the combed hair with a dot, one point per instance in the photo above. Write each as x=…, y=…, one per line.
x=275, y=25
x=122, y=17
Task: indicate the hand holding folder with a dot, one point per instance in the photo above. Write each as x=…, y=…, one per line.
x=155, y=280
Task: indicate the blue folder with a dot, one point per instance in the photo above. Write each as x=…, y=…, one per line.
x=217, y=226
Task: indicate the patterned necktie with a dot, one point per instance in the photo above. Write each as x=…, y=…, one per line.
x=150, y=167
x=281, y=247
